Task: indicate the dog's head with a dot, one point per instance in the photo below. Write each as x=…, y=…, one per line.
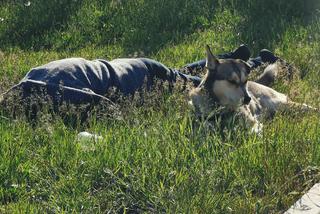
x=225, y=81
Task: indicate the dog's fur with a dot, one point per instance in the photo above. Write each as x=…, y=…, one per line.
x=226, y=84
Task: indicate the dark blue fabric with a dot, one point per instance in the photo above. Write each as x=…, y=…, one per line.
x=77, y=80
x=253, y=62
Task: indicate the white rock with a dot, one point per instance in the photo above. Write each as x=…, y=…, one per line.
x=309, y=203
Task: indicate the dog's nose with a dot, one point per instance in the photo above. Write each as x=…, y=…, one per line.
x=246, y=100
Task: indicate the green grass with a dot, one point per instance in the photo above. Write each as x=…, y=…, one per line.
x=157, y=157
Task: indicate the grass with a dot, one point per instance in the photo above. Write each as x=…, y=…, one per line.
x=157, y=157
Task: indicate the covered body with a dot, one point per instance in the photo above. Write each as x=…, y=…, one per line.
x=77, y=80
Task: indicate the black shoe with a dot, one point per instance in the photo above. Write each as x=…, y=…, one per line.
x=267, y=56
x=242, y=52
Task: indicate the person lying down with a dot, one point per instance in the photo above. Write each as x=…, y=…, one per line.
x=77, y=80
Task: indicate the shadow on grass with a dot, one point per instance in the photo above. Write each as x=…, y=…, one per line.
x=266, y=21
x=27, y=24
x=62, y=24
x=148, y=26
x=144, y=26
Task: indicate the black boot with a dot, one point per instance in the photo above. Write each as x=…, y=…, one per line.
x=267, y=56
x=242, y=52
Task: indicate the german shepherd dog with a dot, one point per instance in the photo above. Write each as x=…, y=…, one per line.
x=226, y=84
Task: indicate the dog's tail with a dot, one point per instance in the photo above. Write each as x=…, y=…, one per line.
x=302, y=107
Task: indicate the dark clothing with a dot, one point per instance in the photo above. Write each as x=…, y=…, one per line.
x=253, y=62
x=77, y=80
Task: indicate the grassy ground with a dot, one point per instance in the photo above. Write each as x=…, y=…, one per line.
x=157, y=157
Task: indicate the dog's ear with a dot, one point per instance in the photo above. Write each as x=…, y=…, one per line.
x=211, y=61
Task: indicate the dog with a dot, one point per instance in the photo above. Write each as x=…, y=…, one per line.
x=226, y=84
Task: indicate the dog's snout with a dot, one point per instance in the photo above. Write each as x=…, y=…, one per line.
x=246, y=100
